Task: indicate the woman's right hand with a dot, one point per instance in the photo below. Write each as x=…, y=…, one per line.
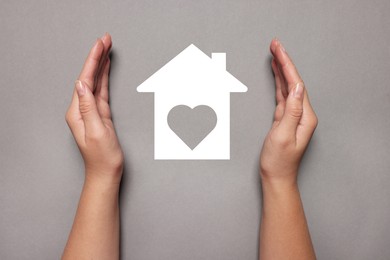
x=294, y=122
x=89, y=116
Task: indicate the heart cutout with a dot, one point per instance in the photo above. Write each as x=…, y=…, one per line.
x=192, y=125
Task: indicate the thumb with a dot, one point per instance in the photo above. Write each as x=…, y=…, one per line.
x=294, y=110
x=88, y=108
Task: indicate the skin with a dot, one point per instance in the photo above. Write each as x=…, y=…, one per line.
x=284, y=233
x=95, y=232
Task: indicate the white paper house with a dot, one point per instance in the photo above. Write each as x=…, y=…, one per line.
x=192, y=78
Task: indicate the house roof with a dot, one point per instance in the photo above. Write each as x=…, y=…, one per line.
x=193, y=70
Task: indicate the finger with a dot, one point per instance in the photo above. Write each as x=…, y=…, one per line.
x=273, y=46
x=286, y=66
x=308, y=123
x=103, y=93
x=87, y=74
x=76, y=126
x=278, y=83
x=107, y=43
x=74, y=119
x=293, y=111
x=74, y=104
x=284, y=83
x=280, y=100
x=88, y=109
x=306, y=103
x=291, y=75
x=90, y=69
x=279, y=112
x=102, y=96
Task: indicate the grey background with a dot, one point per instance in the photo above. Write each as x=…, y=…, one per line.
x=196, y=209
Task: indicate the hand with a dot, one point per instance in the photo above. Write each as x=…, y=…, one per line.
x=294, y=122
x=89, y=116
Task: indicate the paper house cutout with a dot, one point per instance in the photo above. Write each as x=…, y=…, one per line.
x=192, y=78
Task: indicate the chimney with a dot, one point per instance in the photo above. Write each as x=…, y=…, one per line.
x=219, y=59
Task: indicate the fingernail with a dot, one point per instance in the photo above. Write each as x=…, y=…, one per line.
x=273, y=46
x=98, y=40
x=298, y=91
x=281, y=47
x=96, y=43
x=80, y=88
x=104, y=36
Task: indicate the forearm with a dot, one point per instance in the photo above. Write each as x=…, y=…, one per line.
x=95, y=231
x=284, y=233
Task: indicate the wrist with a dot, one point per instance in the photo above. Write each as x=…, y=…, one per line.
x=279, y=184
x=279, y=195
x=106, y=178
x=99, y=187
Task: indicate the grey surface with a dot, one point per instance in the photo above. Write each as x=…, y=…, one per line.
x=192, y=125
x=196, y=209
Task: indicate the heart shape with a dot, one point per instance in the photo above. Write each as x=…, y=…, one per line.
x=192, y=125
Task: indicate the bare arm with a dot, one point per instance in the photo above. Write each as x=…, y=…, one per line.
x=284, y=233
x=95, y=231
